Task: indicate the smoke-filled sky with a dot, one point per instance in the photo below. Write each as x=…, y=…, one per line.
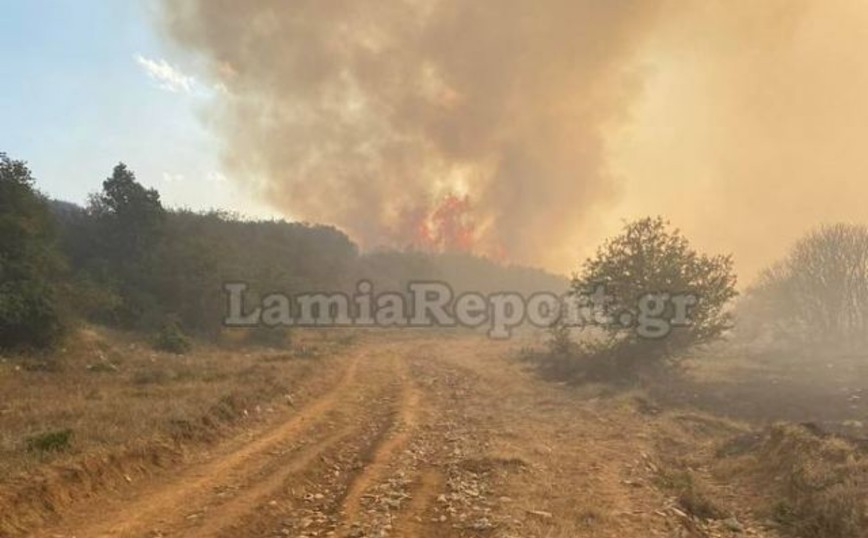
x=524, y=130
x=751, y=124
x=379, y=116
x=532, y=129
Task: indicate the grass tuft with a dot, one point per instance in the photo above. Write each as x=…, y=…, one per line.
x=53, y=441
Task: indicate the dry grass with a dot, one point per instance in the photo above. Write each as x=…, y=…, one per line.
x=812, y=485
x=107, y=407
x=111, y=390
x=820, y=483
x=718, y=461
x=692, y=494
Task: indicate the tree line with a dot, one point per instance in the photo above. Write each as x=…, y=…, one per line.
x=125, y=260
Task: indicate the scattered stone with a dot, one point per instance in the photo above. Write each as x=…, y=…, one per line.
x=733, y=524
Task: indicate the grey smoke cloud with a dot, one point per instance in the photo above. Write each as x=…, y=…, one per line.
x=529, y=129
x=370, y=114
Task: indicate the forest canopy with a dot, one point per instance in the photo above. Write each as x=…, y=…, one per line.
x=126, y=260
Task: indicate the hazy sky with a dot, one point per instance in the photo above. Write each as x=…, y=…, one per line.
x=542, y=125
x=84, y=87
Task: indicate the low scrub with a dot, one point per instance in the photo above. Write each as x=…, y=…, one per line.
x=823, y=482
x=172, y=339
x=693, y=497
x=53, y=441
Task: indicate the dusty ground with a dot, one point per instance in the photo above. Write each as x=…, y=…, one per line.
x=422, y=435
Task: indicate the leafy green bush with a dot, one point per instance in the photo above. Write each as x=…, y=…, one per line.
x=647, y=259
x=172, y=339
x=29, y=310
x=29, y=314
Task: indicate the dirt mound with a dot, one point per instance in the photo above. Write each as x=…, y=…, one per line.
x=33, y=499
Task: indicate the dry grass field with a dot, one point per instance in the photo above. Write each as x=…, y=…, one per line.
x=385, y=433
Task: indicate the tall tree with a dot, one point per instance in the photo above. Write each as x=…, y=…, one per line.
x=28, y=261
x=129, y=222
x=647, y=259
x=131, y=215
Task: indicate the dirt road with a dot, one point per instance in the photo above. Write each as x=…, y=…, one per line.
x=412, y=437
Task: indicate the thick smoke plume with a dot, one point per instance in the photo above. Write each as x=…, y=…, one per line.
x=527, y=130
x=389, y=118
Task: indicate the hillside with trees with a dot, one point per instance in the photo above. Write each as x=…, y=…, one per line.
x=127, y=261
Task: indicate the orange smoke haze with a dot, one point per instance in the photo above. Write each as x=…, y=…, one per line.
x=531, y=129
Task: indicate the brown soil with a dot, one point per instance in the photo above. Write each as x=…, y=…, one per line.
x=420, y=435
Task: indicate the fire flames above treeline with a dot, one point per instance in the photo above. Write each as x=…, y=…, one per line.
x=529, y=130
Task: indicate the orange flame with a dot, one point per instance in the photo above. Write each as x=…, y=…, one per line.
x=448, y=226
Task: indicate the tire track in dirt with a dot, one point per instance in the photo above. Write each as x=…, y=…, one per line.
x=308, y=503
x=377, y=468
x=262, y=488
x=165, y=504
x=414, y=521
x=428, y=438
x=354, y=416
x=397, y=490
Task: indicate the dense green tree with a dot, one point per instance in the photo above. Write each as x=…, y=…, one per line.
x=128, y=225
x=29, y=265
x=649, y=259
x=135, y=264
x=130, y=216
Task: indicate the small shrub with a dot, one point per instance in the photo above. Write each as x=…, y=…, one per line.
x=823, y=482
x=692, y=496
x=53, y=441
x=589, y=361
x=560, y=341
x=172, y=339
